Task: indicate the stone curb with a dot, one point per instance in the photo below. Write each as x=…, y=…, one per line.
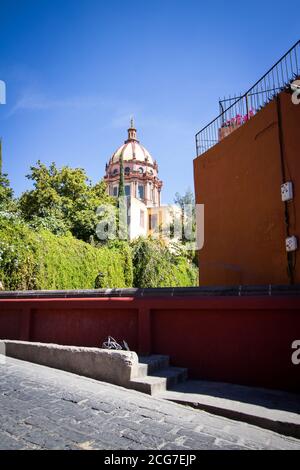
x=115, y=367
x=279, y=421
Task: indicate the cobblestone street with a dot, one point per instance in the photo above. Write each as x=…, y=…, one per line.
x=43, y=408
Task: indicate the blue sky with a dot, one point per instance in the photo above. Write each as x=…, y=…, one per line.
x=75, y=71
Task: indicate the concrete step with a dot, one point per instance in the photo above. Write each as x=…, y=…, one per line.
x=159, y=381
x=174, y=375
x=152, y=363
x=149, y=384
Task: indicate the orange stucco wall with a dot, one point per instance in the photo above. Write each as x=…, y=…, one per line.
x=238, y=181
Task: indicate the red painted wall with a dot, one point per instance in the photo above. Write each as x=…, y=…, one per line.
x=245, y=340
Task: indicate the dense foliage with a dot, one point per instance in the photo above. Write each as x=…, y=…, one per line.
x=186, y=202
x=40, y=260
x=155, y=265
x=48, y=241
x=63, y=200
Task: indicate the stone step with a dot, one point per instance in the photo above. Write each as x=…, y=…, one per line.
x=174, y=375
x=160, y=380
x=149, y=384
x=149, y=364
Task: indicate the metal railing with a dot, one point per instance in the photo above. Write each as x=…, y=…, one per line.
x=245, y=106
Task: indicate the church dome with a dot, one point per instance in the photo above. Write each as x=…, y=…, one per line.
x=140, y=172
x=132, y=149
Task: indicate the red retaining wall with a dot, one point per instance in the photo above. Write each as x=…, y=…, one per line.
x=245, y=340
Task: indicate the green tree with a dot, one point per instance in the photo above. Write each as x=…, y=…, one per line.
x=6, y=193
x=63, y=200
x=188, y=219
x=185, y=199
x=122, y=204
x=121, y=191
x=154, y=265
x=0, y=156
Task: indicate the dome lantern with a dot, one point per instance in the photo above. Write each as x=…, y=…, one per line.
x=131, y=132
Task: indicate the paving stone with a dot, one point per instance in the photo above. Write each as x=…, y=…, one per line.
x=7, y=442
x=43, y=408
x=203, y=444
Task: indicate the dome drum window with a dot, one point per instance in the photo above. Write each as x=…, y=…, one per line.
x=140, y=191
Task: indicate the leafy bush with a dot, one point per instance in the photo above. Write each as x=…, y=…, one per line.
x=40, y=260
x=154, y=265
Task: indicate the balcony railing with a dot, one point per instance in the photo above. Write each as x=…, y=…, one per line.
x=238, y=110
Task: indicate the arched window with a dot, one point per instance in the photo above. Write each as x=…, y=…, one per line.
x=127, y=170
x=141, y=170
x=115, y=172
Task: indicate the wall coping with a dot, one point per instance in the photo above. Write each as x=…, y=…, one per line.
x=228, y=291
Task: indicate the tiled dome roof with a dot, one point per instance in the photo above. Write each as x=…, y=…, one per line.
x=131, y=150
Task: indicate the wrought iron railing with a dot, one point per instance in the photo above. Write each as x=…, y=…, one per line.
x=243, y=107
